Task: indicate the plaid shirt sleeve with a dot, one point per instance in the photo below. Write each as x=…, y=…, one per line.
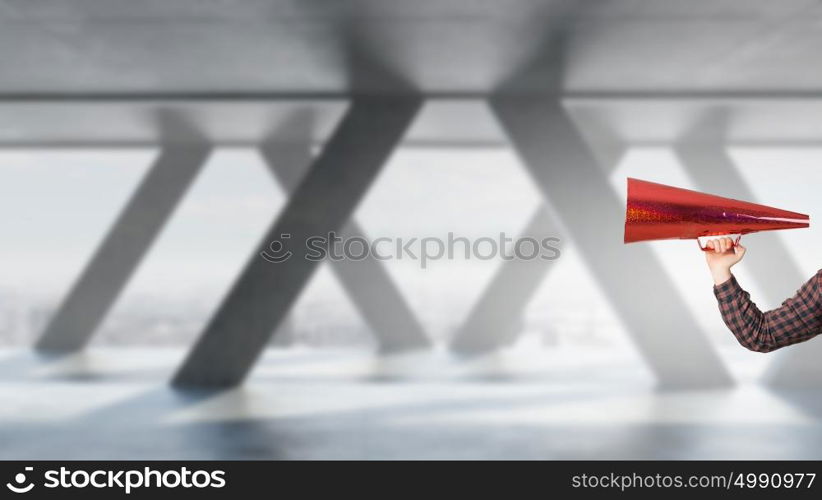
x=798, y=319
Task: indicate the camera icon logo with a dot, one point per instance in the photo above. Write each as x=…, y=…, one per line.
x=19, y=479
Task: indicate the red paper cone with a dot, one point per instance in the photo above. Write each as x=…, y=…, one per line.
x=660, y=212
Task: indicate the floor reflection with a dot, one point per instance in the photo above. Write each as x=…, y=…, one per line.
x=88, y=408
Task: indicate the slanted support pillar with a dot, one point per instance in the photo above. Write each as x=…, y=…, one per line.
x=632, y=278
x=322, y=202
x=180, y=160
x=366, y=281
x=703, y=153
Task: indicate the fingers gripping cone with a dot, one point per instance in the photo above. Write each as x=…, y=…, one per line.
x=659, y=212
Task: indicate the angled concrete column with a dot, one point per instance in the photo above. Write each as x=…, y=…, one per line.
x=287, y=153
x=492, y=322
x=494, y=319
x=703, y=153
x=606, y=145
x=379, y=301
x=366, y=281
x=286, y=333
x=128, y=240
x=631, y=277
x=323, y=202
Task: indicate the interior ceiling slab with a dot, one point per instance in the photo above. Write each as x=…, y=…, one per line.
x=91, y=48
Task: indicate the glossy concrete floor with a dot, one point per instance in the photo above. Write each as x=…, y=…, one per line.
x=300, y=404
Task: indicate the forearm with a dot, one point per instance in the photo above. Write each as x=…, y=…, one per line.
x=742, y=317
x=796, y=320
x=721, y=275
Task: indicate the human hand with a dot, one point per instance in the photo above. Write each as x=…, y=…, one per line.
x=721, y=256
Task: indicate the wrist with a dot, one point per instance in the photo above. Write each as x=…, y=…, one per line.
x=721, y=275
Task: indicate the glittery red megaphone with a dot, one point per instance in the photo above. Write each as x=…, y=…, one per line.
x=660, y=212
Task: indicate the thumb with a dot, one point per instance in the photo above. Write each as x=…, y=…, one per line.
x=739, y=250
